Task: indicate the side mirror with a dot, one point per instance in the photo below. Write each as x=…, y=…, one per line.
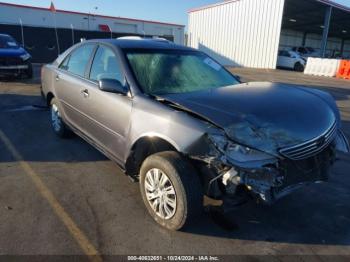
x=112, y=86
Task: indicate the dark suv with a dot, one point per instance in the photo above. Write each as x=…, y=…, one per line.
x=14, y=59
x=185, y=127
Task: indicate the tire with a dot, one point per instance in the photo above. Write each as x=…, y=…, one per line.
x=298, y=67
x=188, y=195
x=57, y=124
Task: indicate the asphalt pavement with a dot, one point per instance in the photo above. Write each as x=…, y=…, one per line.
x=62, y=197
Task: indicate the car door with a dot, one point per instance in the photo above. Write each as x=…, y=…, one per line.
x=290, y=60
x=70, y=82
x=108, y=113
x=283, y=59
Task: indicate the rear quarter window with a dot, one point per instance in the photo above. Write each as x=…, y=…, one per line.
x=77, y=61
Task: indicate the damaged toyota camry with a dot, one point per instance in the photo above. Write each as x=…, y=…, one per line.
x=183, y=126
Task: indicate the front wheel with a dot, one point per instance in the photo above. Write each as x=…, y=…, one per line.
x=171, y=190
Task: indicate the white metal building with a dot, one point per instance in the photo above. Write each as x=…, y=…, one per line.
x=39, y=34
x=249, y=33
x=43, y=17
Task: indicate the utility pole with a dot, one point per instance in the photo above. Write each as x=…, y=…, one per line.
x=22, y=31
x=327, y=21
x=88, y=21
x=53, y=11
x=71, y=26
x=91, y=14
x=57, y=40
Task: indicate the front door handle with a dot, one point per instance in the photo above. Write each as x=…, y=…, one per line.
x=57, y=77
x=85, y=92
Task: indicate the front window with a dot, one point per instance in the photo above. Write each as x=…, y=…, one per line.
x=170, y=72
x=7, y=42
x=105, y=66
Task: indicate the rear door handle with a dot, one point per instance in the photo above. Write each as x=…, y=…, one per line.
x=85, y=92
x=57, y=77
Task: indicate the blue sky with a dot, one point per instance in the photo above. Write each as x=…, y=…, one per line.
x=160, y=10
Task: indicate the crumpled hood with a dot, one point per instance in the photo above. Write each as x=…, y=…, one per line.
x=12, y=52
x=265, y=116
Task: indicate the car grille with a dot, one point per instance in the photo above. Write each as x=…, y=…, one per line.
x=7, y=61
x=310, y=148
x=308, y=170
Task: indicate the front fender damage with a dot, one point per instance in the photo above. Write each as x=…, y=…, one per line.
x=268, y=179
x=222, y=176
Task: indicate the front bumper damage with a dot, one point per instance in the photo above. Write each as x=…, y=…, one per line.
x=13, y=70
x=267, y=180
x=10, y=66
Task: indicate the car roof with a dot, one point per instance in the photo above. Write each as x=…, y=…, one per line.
x=143, y=44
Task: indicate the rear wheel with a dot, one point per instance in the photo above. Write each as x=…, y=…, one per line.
x=298, y=67
x=58, y=126
x=171, y=190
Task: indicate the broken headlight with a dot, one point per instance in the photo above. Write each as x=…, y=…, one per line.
x=25, y=56
x=239, y=154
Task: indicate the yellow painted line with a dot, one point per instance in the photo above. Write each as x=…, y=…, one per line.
x=74, y=230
